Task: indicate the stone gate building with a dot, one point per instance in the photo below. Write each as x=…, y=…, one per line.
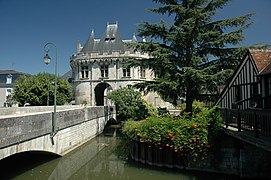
x=97, y=68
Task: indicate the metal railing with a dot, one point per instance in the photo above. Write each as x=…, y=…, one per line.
x=252, y=119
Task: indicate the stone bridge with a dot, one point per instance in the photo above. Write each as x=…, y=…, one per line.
x=30, y=128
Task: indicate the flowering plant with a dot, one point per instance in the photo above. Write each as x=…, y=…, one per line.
x=189, y=136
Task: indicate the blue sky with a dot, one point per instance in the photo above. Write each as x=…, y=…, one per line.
x=27, y=25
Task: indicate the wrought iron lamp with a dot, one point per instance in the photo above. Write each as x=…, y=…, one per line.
x=47, y=60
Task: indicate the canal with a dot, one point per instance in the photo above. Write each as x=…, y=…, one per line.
x=101, y=158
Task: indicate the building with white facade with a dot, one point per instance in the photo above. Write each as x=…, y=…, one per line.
x=97, y=68
x=7, y=83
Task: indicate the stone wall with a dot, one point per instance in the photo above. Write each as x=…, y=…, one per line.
x=12, y=111
x=32, y=131
x=254, y=162
x=232, y=157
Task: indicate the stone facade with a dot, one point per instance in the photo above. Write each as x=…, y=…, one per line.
x=97, y=68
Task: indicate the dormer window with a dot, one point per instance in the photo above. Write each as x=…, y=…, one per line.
x=9, y=79
x=109, y=39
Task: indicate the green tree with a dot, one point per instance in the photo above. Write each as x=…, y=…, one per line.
x=189, y=52
x=38, y=90
x=129, y=104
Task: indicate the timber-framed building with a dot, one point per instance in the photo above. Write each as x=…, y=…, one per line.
x=250, y=85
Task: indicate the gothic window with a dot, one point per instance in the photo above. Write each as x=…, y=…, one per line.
x=142, y=72
x=126, y=72
x=84, y=72
x=104, y=71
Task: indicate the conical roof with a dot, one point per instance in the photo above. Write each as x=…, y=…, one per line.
x=90, y=44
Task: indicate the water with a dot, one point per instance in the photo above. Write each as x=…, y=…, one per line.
x=101, y=158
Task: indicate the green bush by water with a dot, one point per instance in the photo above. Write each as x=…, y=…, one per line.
x=129, y=104
x=192, y=137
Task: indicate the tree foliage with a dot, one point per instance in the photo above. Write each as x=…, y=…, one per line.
x=194, y=53
x=191, y=137
x=38, y=90
x=129, y=104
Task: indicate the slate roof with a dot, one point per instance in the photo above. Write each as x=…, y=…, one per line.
x=262, y=59
x=10, y=72
x=15, y=75
x=67, y=76
x=110, y=41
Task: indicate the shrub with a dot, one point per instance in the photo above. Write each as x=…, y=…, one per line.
x=197, y=107
x=191, y=137
x=129, y=104
x=214, y=124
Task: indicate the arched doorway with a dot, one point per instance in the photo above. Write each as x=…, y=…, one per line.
x=101, y=91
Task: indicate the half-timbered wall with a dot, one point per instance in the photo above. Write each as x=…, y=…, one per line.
x=242, y=88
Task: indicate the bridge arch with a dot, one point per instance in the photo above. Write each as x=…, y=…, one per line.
x=32, y=132
x=101, y=91
x=31, y=152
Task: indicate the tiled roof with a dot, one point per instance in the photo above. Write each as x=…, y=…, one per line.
x=266, y=70
x=262, y=59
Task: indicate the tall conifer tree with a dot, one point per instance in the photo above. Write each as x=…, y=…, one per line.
x=188, y=55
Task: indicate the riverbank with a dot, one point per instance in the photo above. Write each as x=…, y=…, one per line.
x=231, y=157
x=97, y=159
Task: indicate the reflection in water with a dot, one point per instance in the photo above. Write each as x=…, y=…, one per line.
x=28, y=165
x=98, y=159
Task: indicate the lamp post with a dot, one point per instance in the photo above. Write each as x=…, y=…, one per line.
x=47, y=60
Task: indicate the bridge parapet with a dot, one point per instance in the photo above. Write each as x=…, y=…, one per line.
x=33, y=109
x=29, y=132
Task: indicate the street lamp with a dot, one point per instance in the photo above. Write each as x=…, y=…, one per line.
x=47, y=60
